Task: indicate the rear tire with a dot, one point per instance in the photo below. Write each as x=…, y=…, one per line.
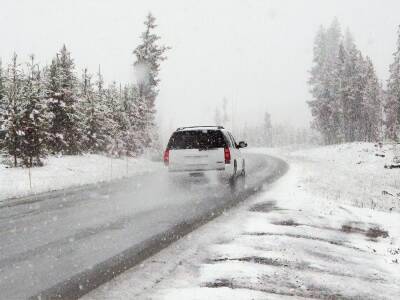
x=243, y=168
x=232, y=179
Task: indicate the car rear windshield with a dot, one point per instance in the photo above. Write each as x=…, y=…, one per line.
x=197, y=139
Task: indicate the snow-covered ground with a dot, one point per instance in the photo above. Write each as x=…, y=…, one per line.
x=300, y=238
x=69, y=171
x=354, y=174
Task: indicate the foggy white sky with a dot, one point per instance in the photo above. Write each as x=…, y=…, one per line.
x=255, y=53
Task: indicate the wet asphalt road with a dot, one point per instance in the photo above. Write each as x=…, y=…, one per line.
x=66, y=244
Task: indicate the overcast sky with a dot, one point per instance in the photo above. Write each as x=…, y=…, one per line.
x=255, y=53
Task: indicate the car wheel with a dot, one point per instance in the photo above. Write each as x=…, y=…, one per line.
x=232, y=177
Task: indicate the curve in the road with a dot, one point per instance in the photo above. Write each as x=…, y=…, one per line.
x=104, y=233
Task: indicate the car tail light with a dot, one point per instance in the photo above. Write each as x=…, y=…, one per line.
x=166, y=157
x=227, y=155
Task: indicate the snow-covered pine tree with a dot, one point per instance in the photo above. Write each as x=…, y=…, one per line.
x=345, y=89
x=324, y=85
x=371, y=110
x=103, y=123
x=351, y=87
x=135, y=126
x=36, y=117
x=1, y=88
x=87, y=103
x=318, y=89
x=333, y=112
x=92, y=105
x=12, y=109
x=115, y=124
x=2, y=105
x=53, y=95
x=355, y=78
x=392, y=105
x=343, y=92
x=149, y=54
x=61, y=86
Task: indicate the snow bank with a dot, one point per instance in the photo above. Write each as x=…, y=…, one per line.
x=69, y=171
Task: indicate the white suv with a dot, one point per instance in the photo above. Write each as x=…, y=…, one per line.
x=204, y=148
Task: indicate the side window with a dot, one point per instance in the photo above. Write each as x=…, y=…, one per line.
x=233, y=140
x=228, y=139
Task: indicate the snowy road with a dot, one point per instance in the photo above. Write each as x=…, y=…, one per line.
x=78, y=236
x=287, y=242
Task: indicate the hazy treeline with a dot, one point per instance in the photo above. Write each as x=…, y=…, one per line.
x=265, y=133
x=51, y=109
x=349, y=102
x=269, y=134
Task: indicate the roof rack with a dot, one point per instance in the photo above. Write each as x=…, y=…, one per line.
x=213, y=126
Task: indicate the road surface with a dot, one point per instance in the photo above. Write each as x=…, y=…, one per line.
x=67, y=244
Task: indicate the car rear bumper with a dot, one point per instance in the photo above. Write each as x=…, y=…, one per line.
x=190, y=170
x=227, y=168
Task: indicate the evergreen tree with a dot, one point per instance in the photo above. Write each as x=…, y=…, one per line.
x=61, y=88
x=102, y=124
x=2, y=106
x=343, y=91
x=135, y=118
x=116, y=123
x=346, y=93
x=334, y=113
x=87, y=103
x=36, y=117
x=11, y=113
x=2, y=91
x=352, y=85
x=371, y=112
x=148, y=55
x=324, y=85
x=392, y=105
x=93, y=108
x=318, y=90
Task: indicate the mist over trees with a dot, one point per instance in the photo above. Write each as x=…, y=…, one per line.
x=266, y=132
x=53, y=110
x=348, y=101
x=221, y=114
x=269, y=134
